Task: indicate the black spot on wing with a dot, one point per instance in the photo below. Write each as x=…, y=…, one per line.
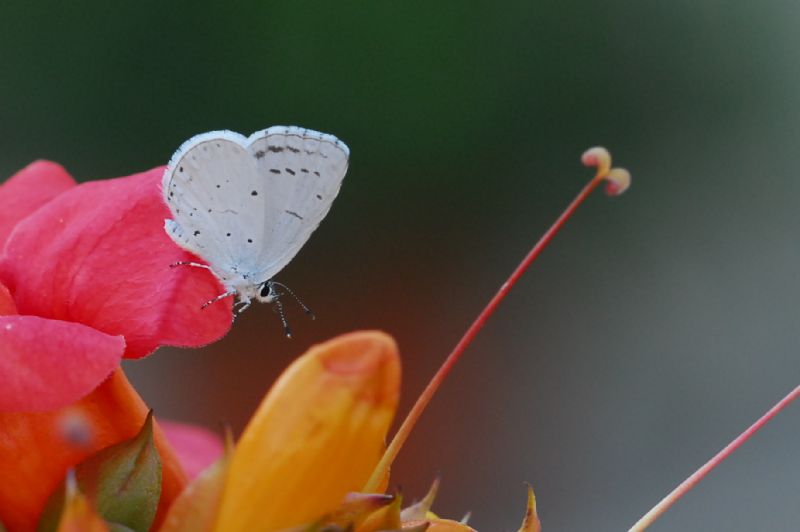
x=319, y=197
x=289, y=171
x=274, y=170
x=254, y=193
x=292, y=213
x=260, y=154
x=275, y=149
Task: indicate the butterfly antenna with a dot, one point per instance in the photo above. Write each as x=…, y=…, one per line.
x=279, y=307
x=299, y=301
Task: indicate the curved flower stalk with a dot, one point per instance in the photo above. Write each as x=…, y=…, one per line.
x=617, y=180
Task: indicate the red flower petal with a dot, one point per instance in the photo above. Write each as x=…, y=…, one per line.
x=29, y=189
x=98, y=255
x=196, y=447
x=46, y=364
x=7, y=305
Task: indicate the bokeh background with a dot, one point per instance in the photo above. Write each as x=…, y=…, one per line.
x=657, y=326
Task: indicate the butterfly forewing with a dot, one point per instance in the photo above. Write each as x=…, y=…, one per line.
x=303, y=171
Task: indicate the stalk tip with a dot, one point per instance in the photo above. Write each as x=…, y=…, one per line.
x=617, y=179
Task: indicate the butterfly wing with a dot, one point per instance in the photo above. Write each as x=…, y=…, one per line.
x=247, y=205
x=213, y=190
x=303, y=171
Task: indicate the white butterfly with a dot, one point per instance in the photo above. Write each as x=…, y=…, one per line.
x=246, y=205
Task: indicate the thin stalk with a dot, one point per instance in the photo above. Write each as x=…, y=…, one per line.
x=650, y=517
x=400, y=437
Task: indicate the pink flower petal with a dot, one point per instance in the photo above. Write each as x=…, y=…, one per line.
x=47, y=364
x=196, y=447
x=7, y=305
x=29, y=189
x=98, y=255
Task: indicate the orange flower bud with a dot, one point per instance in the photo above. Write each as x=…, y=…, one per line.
x=317, y=435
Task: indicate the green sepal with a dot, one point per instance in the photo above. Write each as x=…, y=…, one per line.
x=122, y=480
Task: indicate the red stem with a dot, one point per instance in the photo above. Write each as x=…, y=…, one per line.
x=400, y=437
x=684, y=487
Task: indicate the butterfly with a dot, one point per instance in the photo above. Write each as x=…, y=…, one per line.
x=246, y=205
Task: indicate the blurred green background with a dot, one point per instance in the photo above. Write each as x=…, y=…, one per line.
x=656, y=328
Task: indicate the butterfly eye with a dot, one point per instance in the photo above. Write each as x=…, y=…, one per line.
x=265, y=290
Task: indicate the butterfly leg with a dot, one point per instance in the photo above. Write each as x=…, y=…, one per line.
x=229, y=293
x=243, y=305
x=192, y=264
